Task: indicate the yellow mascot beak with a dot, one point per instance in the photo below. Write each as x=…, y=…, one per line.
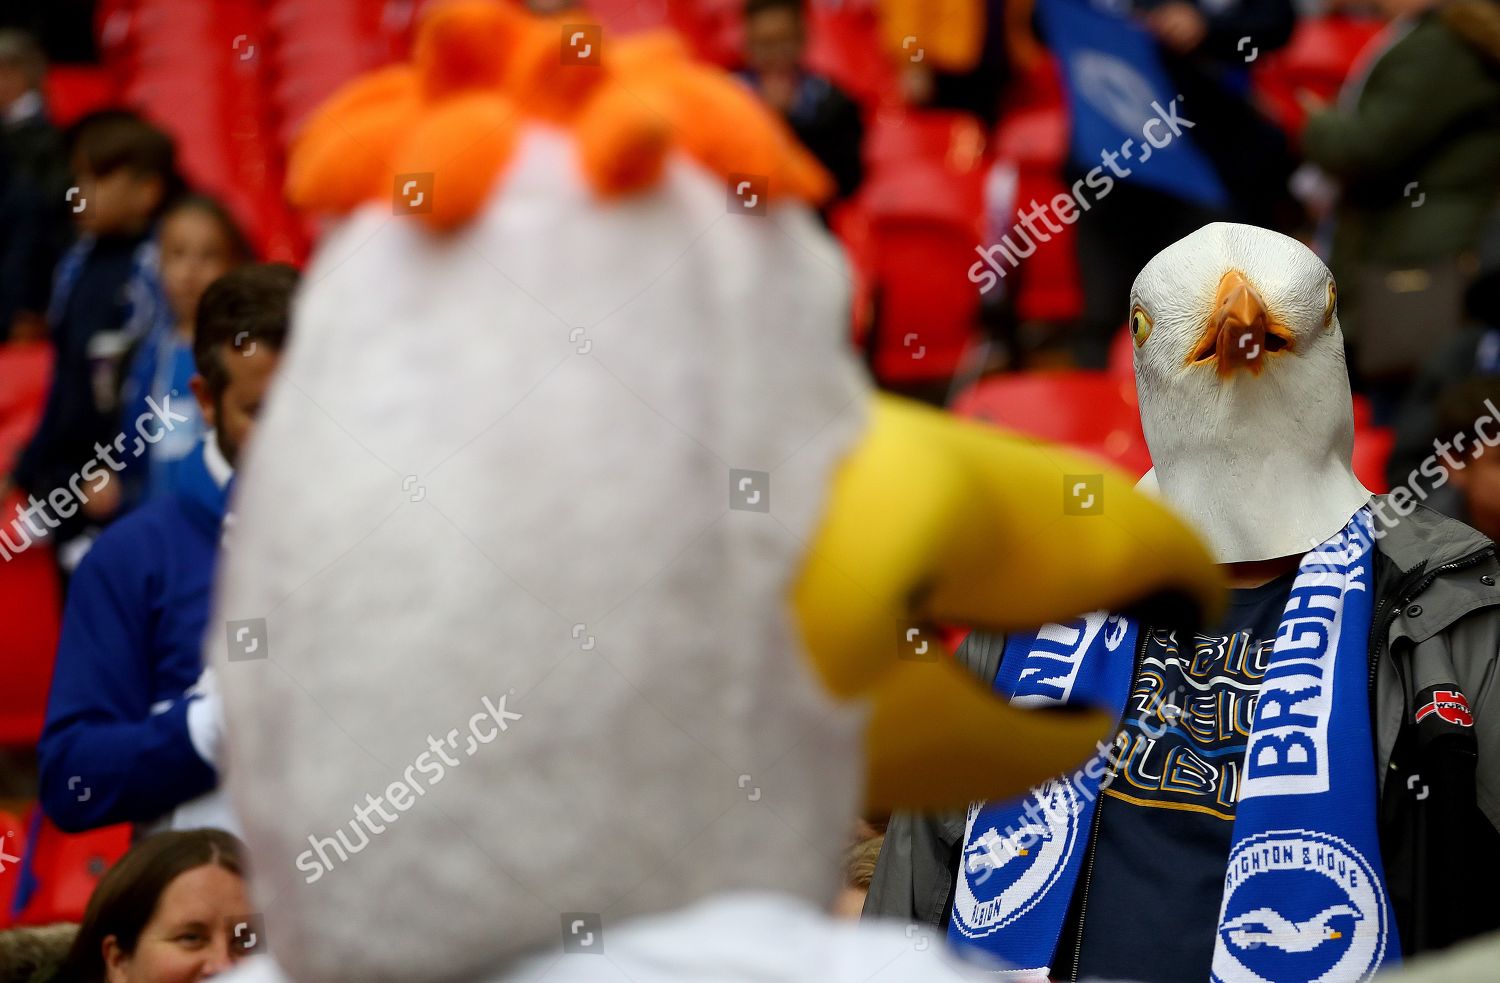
x=937, y=520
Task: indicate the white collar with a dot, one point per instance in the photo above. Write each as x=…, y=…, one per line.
x=27, y=105
x=219, y=468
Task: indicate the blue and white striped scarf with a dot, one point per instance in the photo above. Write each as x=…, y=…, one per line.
x=1304, y=891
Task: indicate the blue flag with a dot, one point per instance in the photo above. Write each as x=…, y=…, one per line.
x=1123, y=103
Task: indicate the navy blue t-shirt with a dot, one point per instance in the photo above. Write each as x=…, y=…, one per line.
x=1165, y=820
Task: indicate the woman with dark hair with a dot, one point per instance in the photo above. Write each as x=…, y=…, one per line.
x=173, y=910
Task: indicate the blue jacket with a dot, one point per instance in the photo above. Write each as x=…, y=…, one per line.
x=115, y=747
x=106, y=286
x=161, y=368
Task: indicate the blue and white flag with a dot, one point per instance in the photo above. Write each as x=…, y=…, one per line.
x=1116, y=88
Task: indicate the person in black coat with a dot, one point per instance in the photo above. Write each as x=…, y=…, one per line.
x=33, y=190
x=824, y=118
x=30, y=238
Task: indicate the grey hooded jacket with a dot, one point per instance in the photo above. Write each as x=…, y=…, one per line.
x=1436, y=628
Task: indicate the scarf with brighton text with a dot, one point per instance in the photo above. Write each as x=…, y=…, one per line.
x=1304, y=893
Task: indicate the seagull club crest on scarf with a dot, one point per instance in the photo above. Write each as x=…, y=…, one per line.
x=1304, y=895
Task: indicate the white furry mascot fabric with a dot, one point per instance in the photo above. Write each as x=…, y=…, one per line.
x=519, y=607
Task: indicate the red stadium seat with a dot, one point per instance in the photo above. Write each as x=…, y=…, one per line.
x=29, y=602
x=844, y=45
x=1372, y=448
x=318, y=46
x=1048, y=284
x=1318, y=59
x=851, y=224
x=12, y=848
x=66, y=867
x=621, y=17
x=30, y=616
x=925, y=306
x=398, y=23
x=203, y=71
x=25, y=373
x=1034, y=127
x=922, y=193
x=73, y=90
x=713, y=28
x=1032, y=140
x=1090, y=411
x=937, y=135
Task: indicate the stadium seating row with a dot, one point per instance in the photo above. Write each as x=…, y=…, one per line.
x=29, y=612
x=233, y=79
x=63, y=867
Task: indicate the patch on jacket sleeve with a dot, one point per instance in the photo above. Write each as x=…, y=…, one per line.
x=1445, y=703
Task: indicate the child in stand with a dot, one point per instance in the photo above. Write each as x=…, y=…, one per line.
x=105, y=292
x=199, y=241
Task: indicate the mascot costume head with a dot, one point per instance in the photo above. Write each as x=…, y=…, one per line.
x=590, y=570
x=1239, y=363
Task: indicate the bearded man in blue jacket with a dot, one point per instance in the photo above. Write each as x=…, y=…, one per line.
x=133, y=721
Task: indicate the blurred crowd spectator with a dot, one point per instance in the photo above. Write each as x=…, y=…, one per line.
x=824, y=118
x=33, y=184
x=198, y=241
x=167, y=911
x=133, y=711
x=106, y=294
x=1471, y=354
x=1414, y=143
x=951, y=55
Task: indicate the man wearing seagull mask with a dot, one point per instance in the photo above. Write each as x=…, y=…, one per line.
x=1310, y=789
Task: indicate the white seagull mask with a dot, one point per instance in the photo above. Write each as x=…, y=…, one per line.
x=1239, y=363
